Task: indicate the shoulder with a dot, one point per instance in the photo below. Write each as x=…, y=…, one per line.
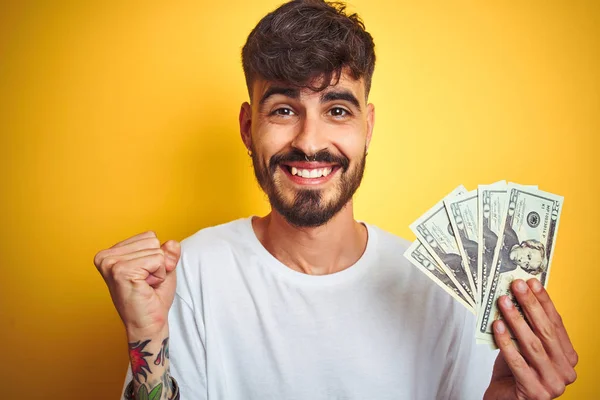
x=215, y=238
x=209, y=250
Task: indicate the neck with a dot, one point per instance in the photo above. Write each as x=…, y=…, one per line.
x=315, y=251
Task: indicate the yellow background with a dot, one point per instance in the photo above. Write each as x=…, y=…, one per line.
x=117, y=118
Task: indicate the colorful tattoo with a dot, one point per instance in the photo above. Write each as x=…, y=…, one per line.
x=163, y=353
x=138, y=363
x=155, y=394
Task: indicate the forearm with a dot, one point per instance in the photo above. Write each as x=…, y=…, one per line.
x=149, y=358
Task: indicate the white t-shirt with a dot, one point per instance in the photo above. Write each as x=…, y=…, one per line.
x=244, y=326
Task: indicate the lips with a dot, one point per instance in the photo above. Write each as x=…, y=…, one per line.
x=309, y=172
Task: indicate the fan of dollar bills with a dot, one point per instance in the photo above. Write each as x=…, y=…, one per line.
x=474, y=244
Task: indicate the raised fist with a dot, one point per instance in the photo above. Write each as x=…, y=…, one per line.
x=140, y=275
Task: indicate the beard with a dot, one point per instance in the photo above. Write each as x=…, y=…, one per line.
x=308, y=208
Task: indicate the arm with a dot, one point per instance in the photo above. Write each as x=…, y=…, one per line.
x=139, y=273
x=150, y=367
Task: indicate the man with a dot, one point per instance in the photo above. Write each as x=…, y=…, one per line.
x=307, y=303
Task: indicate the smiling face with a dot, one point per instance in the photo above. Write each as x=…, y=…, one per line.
x=308, y=148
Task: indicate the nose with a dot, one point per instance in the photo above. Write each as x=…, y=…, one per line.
x=311, y=137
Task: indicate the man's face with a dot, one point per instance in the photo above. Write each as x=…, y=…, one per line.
x=527, y=258
x=308, y=148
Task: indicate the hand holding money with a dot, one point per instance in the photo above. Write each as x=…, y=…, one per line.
x=546, y=361
x=481, y=247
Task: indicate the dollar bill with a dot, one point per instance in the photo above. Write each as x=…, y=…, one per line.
x=434, y=231
x=462, y=211
x=420, y=257
x=490, y=208
x=524, y=249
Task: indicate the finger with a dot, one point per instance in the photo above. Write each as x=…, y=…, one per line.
x=141, y=244
x=521, y=371
x=131, y=247
x=109, y=261
x=530, y=345
x=542, y=327
x=150, y=268
x=563, y=337
x=172, y=250
x=137, y=237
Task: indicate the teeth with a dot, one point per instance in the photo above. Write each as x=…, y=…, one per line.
x=312, y=173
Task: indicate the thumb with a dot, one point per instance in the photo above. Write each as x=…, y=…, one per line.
x=172, y=250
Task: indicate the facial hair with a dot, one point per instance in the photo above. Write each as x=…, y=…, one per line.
x=308, y=209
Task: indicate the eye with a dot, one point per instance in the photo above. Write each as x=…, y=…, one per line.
x=339, y=112
x=283, y=111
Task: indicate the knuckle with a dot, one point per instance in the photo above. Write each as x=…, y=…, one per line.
x=536, y=347
x=151, y=233
x=107, y=263
x=542, y=395
x=573, y=358
x=154, y=243
x=118, y=271
x=504, y=341
x=547, y=332
x=558, y=319
x=571, y=376
x=98, y=258
x=557, y=389
x=516, y=363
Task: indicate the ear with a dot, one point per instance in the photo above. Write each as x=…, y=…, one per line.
x=246, y=124
x=370, y=123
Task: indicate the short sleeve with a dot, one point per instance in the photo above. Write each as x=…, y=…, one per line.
x=186, y=353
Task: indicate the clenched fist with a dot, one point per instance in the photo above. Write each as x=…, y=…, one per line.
x=140, y=275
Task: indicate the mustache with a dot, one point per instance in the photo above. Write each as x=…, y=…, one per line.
x=299, y=155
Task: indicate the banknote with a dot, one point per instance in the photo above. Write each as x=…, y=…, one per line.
x=490, y=210
x=462, y=211
x=435, y=233
x=524, y=249
x=419, y=257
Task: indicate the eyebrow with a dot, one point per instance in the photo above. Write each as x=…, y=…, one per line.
x=340, y=95
x=294, y=93
x=286, y=91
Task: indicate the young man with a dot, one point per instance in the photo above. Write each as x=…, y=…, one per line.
x=306, y=302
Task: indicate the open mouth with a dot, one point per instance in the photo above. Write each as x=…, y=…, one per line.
x=309, y=173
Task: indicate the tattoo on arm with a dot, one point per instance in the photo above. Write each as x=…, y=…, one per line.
x=137, y=355
x=140, y=368
x=154, y=394
x=163, y=353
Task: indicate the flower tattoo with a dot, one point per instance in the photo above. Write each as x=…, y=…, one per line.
x=137, y=355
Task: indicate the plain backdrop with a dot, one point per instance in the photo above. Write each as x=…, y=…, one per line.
x=119, y=117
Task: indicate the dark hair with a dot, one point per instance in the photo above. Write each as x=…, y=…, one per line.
x=308, y=39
